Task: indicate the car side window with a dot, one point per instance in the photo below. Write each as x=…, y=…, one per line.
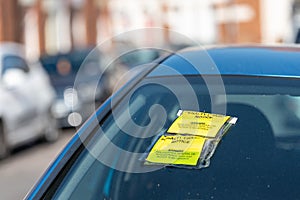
x=14, y=71
x=14, y=62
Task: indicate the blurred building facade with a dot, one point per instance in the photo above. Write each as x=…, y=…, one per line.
x=49, y=26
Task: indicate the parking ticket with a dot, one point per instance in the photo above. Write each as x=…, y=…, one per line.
x=176, y=149
x=198, y=123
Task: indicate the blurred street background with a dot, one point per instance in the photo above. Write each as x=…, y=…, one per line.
x=51, y=26
x=44, y=44
x=20, y=171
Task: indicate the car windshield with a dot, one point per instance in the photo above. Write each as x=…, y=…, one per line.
x=13, y=62
x=258, y=158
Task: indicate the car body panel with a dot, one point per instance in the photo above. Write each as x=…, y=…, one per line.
x=239, y=60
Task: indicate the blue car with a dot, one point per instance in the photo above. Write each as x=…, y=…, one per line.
x=217, y=123
x=74, y=103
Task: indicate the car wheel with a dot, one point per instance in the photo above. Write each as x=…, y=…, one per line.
x=4, y=150
x=51, y=133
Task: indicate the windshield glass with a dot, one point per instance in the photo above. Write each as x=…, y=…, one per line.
x=13, y=62
x=257, y=159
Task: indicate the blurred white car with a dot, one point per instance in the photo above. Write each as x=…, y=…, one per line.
x=25, y=100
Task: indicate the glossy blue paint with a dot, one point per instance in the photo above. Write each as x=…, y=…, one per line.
x=242, y=60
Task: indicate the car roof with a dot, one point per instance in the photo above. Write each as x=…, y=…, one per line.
x=251, y=60
x=12, y=48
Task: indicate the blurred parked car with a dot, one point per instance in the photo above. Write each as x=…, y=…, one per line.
x=124, y=58
x=25, y=100
x=75, y=77
x=124, y=67
x=258, y=158
x=74, y=102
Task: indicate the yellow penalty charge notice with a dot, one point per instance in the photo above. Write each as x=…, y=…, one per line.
x=198, y=123
x=177, y=150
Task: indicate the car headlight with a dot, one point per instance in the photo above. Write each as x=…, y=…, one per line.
x=74, y=119
x=59, y=109
x=89, y=91
x=70, y=97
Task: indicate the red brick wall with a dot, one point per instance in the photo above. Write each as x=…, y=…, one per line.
x=241, y=31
